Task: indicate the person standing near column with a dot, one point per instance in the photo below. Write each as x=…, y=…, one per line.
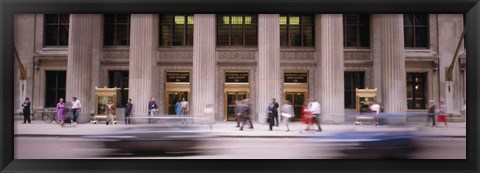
x=128, y=110
x=270, y=109
x=76, y=107
x=275, y=111
x=26, y=111
x=431, y=112
x=185, y=109
x=152, y=108
x=314, y=108
x=61, y=112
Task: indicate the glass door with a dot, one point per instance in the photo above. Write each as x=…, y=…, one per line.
x=172, y=99
x=230, y=102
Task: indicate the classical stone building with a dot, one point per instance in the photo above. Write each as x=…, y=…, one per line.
x=219, y=58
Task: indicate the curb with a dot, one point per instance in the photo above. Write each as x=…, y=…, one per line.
x=220, y=136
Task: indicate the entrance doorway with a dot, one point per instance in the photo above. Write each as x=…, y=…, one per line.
x=231, y=97
x=296, y=99
x=172, y=98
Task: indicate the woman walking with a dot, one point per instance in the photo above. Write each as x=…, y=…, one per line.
x=442, y=113
x=287, y=113
x=110, y=108
x=61, y=112
x=306, y=117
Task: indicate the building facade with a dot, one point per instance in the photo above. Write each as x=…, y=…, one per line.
x=219, y=58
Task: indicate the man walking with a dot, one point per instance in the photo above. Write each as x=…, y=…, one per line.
x=185, y=107
x=244, y=111
x=314, y=108
x=128, y=110
x=431, y=112
x=26, y=111
x=76, y=106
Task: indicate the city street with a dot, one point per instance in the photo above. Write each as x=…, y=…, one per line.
x=220, y=148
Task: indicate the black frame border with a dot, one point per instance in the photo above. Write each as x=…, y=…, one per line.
x=10, y=7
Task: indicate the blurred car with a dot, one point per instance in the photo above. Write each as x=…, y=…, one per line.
x=154, y=138
x=374, y=142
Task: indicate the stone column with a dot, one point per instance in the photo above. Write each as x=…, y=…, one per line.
x=143, y=56
x=330, y=67
x=393, y=62
x=376, y=57
x=450, y=27
x=24, y=38
x=204, y=64
x=268, y=66
x=80, y=53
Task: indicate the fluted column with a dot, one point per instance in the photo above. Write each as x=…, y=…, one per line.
x=268, y=67
x=393, y=62
x=79, y=71
x=204, y=64
x=330, y=68
x=143, y=54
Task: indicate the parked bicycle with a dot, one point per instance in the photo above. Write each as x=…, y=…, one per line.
x=49, y=115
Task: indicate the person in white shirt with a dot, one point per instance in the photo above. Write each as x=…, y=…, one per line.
x=185, y=109
x=375, y=108
x=76, y=106
x=314, y=108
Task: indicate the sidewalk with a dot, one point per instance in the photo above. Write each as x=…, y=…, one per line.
x=220, y=129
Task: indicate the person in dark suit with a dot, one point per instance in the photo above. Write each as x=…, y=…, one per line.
x=244, y=111
x=275, y=111
x=26, y=111
x=128, y=110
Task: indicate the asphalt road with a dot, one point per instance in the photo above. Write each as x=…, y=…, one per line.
x=220, y=148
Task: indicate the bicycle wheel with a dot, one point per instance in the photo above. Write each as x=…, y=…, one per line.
x=47, y=118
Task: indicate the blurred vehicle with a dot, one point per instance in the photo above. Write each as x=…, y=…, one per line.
x=167, y=136
x=381, y=142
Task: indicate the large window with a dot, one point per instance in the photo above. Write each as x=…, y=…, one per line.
x=116, y=31
x=55, y=84
x=352, y=81
x=416, y=30
x=356, y=28
x=416, y=89
x=119, y=79
x=237, y=30
x=296, y=30
x=176, y=30
x=56, y=29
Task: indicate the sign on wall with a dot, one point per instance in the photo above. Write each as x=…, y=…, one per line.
x=236, y=77
x=295, y=77
x=178, y=77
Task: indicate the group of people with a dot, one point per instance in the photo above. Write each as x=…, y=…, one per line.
x=310, y=114
x=441, y=112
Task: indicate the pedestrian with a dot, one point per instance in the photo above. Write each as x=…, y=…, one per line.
x=128, y=111
x=76, y=108
x=185, y=107
x=110, y=111
x=270, y=113
x=287, y=113
x=178, y=107
x=152, y=108
x=442, y=113
x=375, y=108
x=244, y=111
x=306, y=116
x=26, y=111
x=314, y=108
x=275, y=111
x=209, y=114
x=431, y=112
x=237, y=113
x=61, y=112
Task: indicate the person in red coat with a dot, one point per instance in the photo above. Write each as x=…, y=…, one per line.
x=306, y=117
